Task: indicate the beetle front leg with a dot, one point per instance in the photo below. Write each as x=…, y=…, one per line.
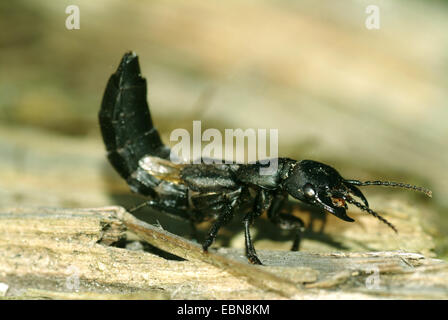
x=262, y=202
x=289, y=222
x=251, y=254
x=285, y=221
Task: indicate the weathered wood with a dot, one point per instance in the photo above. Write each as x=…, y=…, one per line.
x=192, y=251
x=31, y=257
x=68, y=254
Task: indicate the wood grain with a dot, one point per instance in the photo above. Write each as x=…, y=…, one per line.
x=70, y=254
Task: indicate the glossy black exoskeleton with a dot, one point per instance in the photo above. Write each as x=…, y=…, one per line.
x=200, y=191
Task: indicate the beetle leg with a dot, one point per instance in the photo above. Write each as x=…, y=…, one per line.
x=285, y=221
x=224, y=217
x=290, y=222
x=263, y=200
x=251, y=254
x=159, y=205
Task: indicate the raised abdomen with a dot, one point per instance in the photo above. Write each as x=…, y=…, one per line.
x=126, y=125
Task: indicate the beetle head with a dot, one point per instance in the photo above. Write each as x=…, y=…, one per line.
x=320, y=185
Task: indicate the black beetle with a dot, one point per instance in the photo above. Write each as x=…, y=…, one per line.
x=200, y=191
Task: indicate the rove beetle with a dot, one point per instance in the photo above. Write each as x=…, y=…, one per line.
x=197, y=192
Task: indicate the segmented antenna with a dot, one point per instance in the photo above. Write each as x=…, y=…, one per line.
x=373, y=213
x=391, y=184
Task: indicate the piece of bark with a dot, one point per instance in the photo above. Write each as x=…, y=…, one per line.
x=66, y=254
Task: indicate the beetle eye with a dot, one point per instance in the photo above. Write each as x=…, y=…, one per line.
x=309, y=191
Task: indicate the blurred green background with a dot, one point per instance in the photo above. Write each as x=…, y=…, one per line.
x=372, y=103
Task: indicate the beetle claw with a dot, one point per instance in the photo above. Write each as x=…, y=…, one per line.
x=356, y=192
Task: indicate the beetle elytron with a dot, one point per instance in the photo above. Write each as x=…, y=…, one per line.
x=200, y=191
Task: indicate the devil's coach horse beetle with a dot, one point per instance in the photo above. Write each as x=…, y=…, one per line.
x=197, y=192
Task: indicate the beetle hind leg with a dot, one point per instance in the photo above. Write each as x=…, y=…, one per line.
x=173, y=211
x=225, y=216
